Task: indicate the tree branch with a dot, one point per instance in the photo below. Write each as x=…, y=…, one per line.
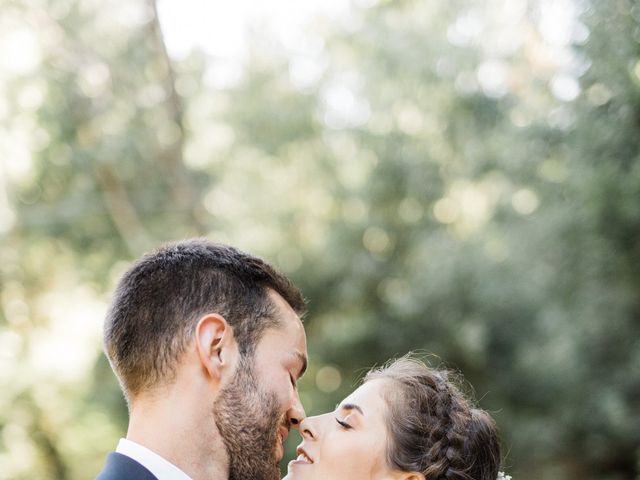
x=122, y=212
x=183, y=193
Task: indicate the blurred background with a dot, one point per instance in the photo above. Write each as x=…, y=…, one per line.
x=459, y=177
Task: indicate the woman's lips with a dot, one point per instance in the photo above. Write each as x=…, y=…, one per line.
x=303, y=457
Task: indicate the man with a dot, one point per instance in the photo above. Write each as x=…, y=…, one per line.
x=208, y=345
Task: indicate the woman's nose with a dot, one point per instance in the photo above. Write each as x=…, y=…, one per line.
x=308, y=428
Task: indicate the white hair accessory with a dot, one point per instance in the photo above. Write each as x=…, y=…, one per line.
x=502, y=476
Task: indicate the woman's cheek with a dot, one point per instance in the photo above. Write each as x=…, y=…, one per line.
x=348, y=458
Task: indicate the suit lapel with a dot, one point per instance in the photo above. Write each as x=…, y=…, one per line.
x=121, y=467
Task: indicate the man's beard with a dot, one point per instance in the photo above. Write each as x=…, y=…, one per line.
x=248, y=418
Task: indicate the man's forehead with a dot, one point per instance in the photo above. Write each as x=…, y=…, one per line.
x=289, y=327
x=286, y=341
x=288, y=319
x=281, y=303
x=287, y=322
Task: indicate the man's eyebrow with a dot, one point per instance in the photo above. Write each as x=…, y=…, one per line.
x=303, y=359
x=350, y=406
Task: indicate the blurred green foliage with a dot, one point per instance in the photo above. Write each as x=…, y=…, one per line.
x=460, y=178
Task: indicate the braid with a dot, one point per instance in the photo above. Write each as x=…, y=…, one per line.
x=432, y=428
x=445, y=455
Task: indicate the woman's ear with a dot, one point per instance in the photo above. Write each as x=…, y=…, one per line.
x=411, y=476
x=215, y=343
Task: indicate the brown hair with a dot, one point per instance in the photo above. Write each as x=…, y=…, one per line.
x=159, y=300
x=432, y=428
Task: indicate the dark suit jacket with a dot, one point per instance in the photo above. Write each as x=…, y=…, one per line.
x=121, y=467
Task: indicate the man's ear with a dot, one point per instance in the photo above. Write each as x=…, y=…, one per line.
x=214, y=341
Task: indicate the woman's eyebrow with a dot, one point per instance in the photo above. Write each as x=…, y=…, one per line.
x=350, y=406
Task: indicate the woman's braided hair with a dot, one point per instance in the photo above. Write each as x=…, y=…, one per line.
x=433, y=428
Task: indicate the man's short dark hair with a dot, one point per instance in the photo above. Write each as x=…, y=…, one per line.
x=160, y=299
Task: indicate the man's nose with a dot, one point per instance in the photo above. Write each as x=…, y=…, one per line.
x=295, y=414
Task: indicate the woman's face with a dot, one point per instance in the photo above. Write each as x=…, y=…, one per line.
x=349, y=443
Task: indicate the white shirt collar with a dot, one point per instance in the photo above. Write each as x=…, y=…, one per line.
x=161, y=468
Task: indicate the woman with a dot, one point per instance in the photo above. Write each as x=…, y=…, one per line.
x=406, y=422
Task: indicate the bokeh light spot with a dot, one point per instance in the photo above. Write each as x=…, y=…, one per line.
x=525, y=201
x=328, y=379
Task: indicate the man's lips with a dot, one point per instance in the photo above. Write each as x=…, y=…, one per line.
x=283, y=433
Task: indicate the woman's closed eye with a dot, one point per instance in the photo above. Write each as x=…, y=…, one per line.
x=343, y=424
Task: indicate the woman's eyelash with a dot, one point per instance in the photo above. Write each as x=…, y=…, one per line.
x=344, y=425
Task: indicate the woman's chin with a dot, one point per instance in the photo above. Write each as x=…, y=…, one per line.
x=298, y=470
